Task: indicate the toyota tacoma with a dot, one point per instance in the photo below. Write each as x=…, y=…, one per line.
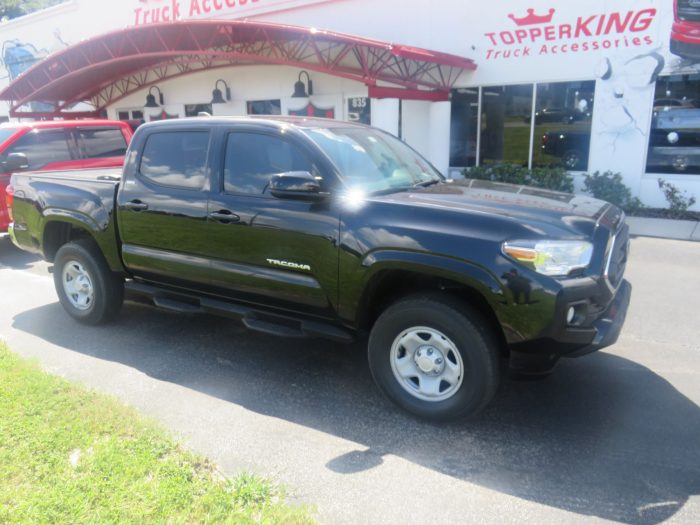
x=316, y=228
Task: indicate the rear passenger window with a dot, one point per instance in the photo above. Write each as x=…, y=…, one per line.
x=252, y=159
x=102, y=142
x=42, y=148
x=176, y=158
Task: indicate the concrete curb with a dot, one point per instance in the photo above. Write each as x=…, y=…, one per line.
x=666, y=228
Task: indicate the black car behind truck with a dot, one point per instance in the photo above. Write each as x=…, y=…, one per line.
x=306, y=227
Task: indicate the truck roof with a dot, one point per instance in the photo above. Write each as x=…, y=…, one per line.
x=265, y=120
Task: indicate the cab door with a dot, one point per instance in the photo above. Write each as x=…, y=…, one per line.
x=264, y=249
x=162, y=208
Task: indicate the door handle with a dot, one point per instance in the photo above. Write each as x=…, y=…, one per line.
x=136, y=205
x=224, y=216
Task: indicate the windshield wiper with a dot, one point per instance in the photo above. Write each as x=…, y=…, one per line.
x=426, y=183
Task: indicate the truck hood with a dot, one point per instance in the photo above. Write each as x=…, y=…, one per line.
x=523, y=204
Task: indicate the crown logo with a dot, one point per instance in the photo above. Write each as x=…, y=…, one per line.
x=532, y=19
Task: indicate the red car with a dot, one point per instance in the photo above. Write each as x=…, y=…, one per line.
x=59, y=145
x=685, y=33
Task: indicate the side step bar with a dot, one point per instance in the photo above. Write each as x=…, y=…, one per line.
x=258, y=320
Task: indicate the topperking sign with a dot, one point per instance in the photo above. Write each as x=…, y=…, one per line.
x=549, y=33
x=157, y=11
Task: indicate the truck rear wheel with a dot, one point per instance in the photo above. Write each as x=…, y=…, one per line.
x=434, y=357
x=86, y=287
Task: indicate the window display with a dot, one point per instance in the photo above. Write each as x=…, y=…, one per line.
x=561, y=130
x=674, y=138
x=563, y=124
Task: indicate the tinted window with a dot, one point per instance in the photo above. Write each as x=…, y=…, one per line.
x=176, y=158
x=42, y=148
x=563, y=116
x=102, y=142
x=505, y=124
x=264, y=107
x=252, y=158
x=193, y=110
x=464, y=125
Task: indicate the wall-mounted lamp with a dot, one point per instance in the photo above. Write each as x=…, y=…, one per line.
x=151, y=98
x=217, y=96
x=300, y=88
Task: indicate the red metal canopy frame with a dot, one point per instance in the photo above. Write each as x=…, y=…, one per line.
x=107, y=68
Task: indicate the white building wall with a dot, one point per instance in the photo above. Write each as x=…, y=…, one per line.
x=247, y=83
x=623, y=102
x=415, y=118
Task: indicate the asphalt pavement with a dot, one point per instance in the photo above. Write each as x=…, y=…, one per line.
x=613, y=436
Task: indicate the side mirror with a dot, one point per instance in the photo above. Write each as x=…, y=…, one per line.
x=15, y=162
x=300, y=185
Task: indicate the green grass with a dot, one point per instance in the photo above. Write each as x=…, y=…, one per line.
x=124, y=468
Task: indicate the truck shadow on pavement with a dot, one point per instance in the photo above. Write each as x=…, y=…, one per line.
x=602, y=437
x=13, y=257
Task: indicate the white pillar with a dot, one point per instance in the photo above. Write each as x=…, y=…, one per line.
x=415, y=125
x=439, y=135
x=385, y=114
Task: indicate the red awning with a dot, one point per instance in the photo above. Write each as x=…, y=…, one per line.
x=107, y=68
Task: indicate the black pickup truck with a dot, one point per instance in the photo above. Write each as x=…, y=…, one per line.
x=307, y=227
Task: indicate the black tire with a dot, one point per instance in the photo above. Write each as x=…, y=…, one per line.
x=464, y=329
x=84, y=257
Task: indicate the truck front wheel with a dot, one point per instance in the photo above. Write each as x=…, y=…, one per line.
x=434, y=357
x=86, y=287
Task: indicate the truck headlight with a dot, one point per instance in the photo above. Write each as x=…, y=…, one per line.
x=553, y=258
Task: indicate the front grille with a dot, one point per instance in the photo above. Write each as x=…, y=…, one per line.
x=689, y=10
x=617, y=259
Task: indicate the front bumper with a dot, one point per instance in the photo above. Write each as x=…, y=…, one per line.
x=541, y=355
x=562, y=340
x=608, y=326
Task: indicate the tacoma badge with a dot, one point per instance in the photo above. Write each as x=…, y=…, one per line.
x=287, y=264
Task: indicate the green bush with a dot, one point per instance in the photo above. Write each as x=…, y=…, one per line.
x=608, y=186
x=554, y=178
x=678, y=203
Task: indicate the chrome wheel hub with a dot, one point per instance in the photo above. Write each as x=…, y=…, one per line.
x=429, y=360
x=427, y=364
x=77, y=285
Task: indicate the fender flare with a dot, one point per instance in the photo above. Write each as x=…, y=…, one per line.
x=100, y=230
x=463, y=272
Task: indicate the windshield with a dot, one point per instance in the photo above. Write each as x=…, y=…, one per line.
x=373, y=161
x=6, y=133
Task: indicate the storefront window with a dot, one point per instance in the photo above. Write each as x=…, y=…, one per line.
x=505, y=124
x=463, y=127
x=563, y=124
x=264, y=107
x=193, y=110
x=674, y=140
x=130, y=114
x=559, y=136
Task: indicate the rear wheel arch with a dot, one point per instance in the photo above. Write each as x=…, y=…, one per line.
x=57, y=233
